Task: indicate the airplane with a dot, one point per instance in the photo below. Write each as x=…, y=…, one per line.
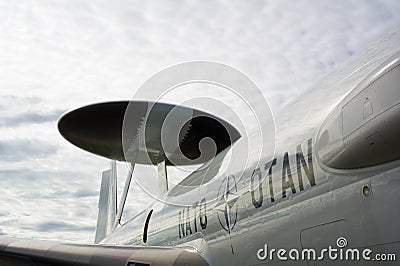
x=332, y=184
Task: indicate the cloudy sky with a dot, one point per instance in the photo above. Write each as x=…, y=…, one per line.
x=59, y=55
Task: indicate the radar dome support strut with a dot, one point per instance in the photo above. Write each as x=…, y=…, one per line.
x=162, y=176
x=126, y=189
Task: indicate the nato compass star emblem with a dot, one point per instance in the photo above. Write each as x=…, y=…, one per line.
x=226, y=205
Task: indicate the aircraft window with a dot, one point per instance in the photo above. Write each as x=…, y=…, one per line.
x=146, y=227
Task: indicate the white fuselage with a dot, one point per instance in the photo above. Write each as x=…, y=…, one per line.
x=289, y=199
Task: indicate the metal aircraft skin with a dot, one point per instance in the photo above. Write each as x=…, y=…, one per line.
x=334, y=173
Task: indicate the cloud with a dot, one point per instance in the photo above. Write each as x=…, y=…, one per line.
x=30, y=118
x=25, y=110
x=17, y=101
x=15, y=150
x=48, y=204
x=61, y=226
x=84, y=192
